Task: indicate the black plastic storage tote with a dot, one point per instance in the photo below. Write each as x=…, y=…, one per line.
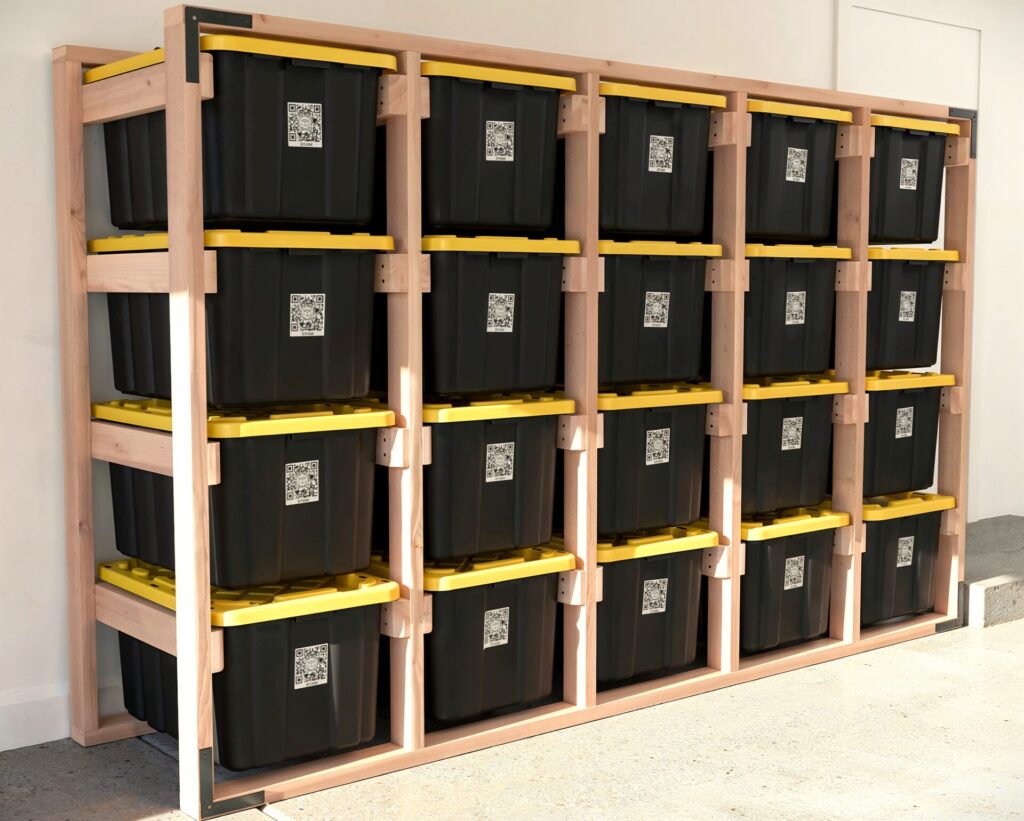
x=791, y=167
x=290, y=320
x=651, y=313
x=906, y=178
x=300, y=664
x=489, y=147
x=654, y=159
x=295, y=496
x=493, y=316
x=288, y=138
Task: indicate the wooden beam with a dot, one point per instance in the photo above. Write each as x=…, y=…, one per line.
x=89, y=56
x=188, y=445
x=74, y=379
x=144, y=272
x=112, y=728
x=853, y=281
x=144, y=449
x=726, y=443
x=405, y=397
x=137, y=92
x=148, y=622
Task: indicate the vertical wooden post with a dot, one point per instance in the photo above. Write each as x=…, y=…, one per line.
x=729, y=209
x=74, y=372
x=189, y=415
x=405, y=396
x=853, y=148
x=581, y=223
x=957, y=311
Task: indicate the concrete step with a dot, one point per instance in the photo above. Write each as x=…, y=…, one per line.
x=995, y=571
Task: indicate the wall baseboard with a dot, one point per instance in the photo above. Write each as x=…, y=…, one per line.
x=41, y=714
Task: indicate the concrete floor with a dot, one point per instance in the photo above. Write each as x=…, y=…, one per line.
x=927, y=729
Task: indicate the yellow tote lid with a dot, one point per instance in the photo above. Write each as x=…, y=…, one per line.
x=464, y=71
x=811, y=112
x=224, y=238
x=507, y=245
x=798, y=251
x=669, y=396
x=250, y=45
x=508, y=406
x=667, y=540
x=667, y=95
x=237, y=424
x=651, y=248
x=793, y=523
x=914, y=124
x=269, y=602
x=786, y=387
x=898, y=505
x=906, y=380
x=492, y=568
x=921, y=254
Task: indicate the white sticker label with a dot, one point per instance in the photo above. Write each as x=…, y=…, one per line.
x=501, y=312
x=656, y=309
x=495, y=627
x=659, y=154
x=658, y=442
x=908, y=174
x=905, y=551
x=655, y=598
x=500, y=462
x=904, y=422
x=500, y=141
x=310, y=666
x=302, y=482
x=307, y=315
x=908, y=306
x=794, y=573
x=792, y=432
x=305, y=125
x=796, y=307
x=796, y=165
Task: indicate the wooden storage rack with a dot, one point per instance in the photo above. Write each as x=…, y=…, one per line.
x=187, y=272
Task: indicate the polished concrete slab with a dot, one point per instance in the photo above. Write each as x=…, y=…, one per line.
x=928, y=729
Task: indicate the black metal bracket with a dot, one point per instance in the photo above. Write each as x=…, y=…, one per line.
x=972, y=115
x=962, y=596
x=211, y=808
x=194, y=17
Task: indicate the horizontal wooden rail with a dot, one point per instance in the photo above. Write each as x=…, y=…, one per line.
x=141, y=272
x=136, y=92
x=148, y=622
x=142, y=448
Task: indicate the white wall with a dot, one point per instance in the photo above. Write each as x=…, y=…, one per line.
x=779, y=40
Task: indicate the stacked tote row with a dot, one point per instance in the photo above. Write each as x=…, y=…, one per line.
x=652, y=503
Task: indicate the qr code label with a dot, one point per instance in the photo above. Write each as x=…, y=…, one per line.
x=501, y=312
x=908, y=306
x=659, y=154
x=796, y=165
x=792, y=432
x=904, y=422
x=796, y=307
x=305, y=125
x=500, y=141
x=658, y=442
x=655, y=598
x=307, y=315
x=905, y=551
x=656, y=309
x=302, y=482
x=794, y=573
x=495, y=627
x=908, y=174
x=310, y=666
x=500, y=462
